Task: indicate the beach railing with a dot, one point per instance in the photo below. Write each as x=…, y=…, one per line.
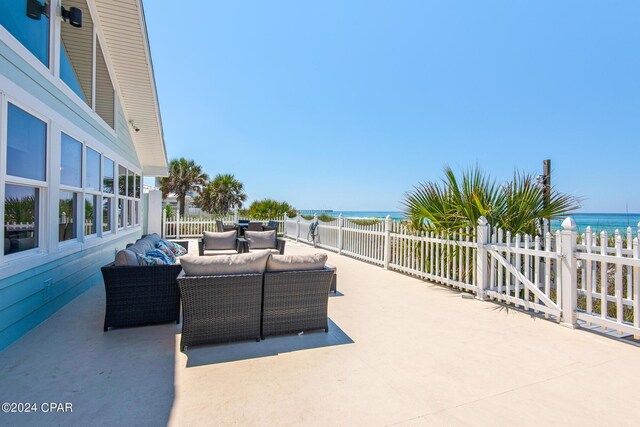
x=586, y=280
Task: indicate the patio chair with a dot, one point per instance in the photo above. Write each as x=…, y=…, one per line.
x=262, y=240
x=254, y=226
x=220, y=243
x=271, y=225
x=220, y=227
x=295, y=301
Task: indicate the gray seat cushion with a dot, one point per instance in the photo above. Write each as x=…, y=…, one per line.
x=251, y=263
x=221, y=252
x=296, y=262
x=261, y=239
x=215, y=241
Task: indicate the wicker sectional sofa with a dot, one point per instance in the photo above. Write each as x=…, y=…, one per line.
x=138, y=295
x=266, y=301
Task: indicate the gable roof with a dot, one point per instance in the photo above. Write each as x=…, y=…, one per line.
x=124, y=31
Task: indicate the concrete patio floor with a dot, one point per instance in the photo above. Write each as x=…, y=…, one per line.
x=400, y=351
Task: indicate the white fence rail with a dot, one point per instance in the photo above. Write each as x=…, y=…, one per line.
x=587, y=280
x=181, y=227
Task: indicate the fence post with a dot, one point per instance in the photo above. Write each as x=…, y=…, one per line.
x=298, y=227
x=164, y=223
x=483, y=232
x=387, y=241
x=569, y=272
x=340, y=234
x=178, y=225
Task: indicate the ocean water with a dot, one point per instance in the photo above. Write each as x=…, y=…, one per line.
x=598, y=222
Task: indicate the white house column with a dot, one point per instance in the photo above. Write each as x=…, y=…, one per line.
x=154, y=212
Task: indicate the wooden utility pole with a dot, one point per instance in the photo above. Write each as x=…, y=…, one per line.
x=546, y=186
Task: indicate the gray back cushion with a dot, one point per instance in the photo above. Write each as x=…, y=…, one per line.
x=141, y=247
x=296, y=262
x=126, y=257
x=152, y=238
x=223, y=241
x=261, y=239
x=222, y=265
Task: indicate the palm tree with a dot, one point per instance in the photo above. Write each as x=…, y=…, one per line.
x=185, y=176
x=454, y=204
x=221, y=195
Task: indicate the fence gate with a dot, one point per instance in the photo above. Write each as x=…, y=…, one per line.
x=512, y=284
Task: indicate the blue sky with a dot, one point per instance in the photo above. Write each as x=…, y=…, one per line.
x=346, y=105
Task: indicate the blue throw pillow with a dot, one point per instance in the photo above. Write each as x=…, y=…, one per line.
x=150, y=260
x=157, y=253
x=167, y=251
x=175, y=248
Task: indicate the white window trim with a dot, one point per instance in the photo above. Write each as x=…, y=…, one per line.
x=42, y=186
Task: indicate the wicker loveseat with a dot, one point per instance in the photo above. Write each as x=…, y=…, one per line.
x=139, y=295
x=252, y=295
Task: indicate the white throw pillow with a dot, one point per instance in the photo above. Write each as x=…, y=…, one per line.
x=222, y=265
x=296, y=262
x=261, y=239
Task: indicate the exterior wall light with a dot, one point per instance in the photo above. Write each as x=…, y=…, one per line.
x=35, y=9
x=74, y=15
x=133, y=125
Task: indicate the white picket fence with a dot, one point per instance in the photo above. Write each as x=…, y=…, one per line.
x=562, y=276
x=184, y=227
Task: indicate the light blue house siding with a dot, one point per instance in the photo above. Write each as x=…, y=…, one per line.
x=32, y=289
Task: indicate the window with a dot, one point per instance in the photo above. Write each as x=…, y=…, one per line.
x=107, y=195
x=107, y=179
x=26, y=145
x=105, y=95
x=136, y=215
x=106, y=214
x=33, y=33
x=76, y=53
x=122, y=193
x=93, y=170
x=90, y=218
x=67, y=226
x=120, y=213
x=138, y=186
x=131, y=184
x=21, y=220
x=93, y=179
x=70, y=187
x=25, y=180
x=129, y=213
x=70, y=162
x=122, y=181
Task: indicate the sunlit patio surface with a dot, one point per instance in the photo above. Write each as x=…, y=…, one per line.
x=399, y=351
